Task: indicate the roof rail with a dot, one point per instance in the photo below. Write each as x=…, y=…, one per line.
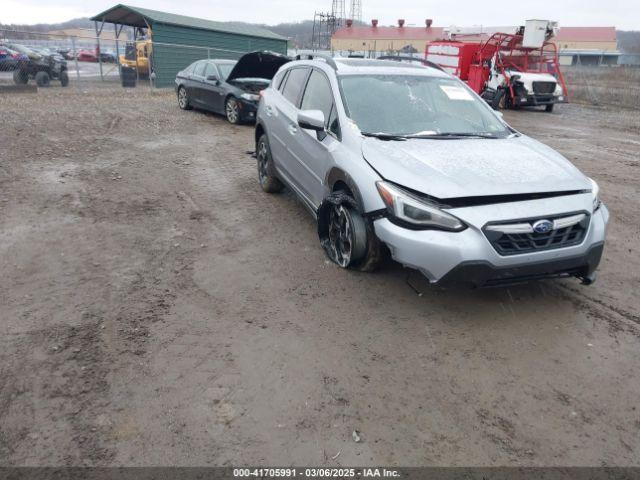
x=311, y=56
x=407, y=58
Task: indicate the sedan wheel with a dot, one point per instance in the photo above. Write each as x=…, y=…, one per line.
x=183, y=99
x=232, y=110
x=347, y=235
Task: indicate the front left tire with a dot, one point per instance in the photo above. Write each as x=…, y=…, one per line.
x=346, y=236
x=232, y=110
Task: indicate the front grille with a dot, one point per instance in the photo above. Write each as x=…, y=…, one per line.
x=544, y=87
x=518, y=243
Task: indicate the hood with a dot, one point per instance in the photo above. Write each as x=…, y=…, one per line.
x=473, y=167
x=258, y=65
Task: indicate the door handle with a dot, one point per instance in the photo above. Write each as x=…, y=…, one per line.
x=293, y=129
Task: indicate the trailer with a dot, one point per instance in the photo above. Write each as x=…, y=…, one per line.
x=508, y=70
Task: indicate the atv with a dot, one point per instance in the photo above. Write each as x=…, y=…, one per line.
x=40, y=67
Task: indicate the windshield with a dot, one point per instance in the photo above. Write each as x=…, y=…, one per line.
x=225, y=69
x=417, y=105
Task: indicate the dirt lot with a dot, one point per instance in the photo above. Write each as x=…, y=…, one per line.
x=157, y=308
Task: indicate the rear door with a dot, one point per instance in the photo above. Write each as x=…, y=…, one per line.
x=196, y=84
x=284, y=129
x=313, y=151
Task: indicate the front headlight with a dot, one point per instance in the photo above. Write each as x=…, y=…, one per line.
x=251, y=97
x=595, y=194
x=409, y=208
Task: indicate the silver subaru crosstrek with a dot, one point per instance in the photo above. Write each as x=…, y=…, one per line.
x=406, y=158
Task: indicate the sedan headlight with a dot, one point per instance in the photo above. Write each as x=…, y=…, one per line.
x=252, y=97
x=408, y=208
x=595, y=194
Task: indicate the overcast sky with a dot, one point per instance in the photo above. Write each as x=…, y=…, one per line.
x=624, y=14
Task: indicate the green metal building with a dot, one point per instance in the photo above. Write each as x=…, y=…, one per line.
x=179, y=40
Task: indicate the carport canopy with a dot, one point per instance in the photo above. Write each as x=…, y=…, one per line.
x=144, y=17
x=123, y=15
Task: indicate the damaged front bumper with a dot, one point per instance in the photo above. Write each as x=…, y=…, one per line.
x=467, y=257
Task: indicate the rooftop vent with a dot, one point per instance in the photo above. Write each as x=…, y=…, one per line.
x=428, y=22
x=401, y=23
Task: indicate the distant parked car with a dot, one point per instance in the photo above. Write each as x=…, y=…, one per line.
x=39, y=66
x=107, y=56
x=87, y=56
x=10, y=59
x=228, y=87
x=66, y=53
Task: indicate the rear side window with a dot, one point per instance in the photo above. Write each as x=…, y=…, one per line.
x=293, y=86
x=317, y=95
x=190, y=68
x=281, y=80
x=199, y=70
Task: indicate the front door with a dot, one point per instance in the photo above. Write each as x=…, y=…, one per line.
x=313, y=149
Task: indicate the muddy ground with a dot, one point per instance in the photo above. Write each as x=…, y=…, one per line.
x=158, y=309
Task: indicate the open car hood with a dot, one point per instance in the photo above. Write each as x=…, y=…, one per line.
x=258, y=65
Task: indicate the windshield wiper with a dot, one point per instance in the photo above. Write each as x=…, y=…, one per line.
x=384, y=136
x=454, y=135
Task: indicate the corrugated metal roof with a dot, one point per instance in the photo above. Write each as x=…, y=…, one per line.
x=135, y=16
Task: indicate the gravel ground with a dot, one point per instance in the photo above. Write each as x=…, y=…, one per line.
x=159, y=309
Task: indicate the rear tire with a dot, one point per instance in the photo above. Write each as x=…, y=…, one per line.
x=232, y=110
x=266, y=171
x=549, y=108
x=64, y=78
x=183, y=99
x=43, y=79
x=20, y=77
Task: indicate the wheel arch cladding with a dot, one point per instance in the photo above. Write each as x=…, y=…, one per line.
x=336, y=178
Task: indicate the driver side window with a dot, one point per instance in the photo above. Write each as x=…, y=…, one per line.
x=318, y=96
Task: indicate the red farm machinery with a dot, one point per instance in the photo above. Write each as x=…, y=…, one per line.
x=509, y=70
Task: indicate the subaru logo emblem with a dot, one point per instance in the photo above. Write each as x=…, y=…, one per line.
x=542, y=226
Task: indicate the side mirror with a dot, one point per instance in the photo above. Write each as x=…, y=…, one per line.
x=311, y=120
x=212, y=78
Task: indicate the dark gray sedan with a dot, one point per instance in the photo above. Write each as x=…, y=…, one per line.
x=228, y=87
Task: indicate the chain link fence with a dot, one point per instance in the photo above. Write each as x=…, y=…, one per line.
x=43, y=59
x=46, y=59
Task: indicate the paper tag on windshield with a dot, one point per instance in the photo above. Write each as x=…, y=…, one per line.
x=456, y=93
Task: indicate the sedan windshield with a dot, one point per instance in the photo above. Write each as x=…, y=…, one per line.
x=421, y=106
